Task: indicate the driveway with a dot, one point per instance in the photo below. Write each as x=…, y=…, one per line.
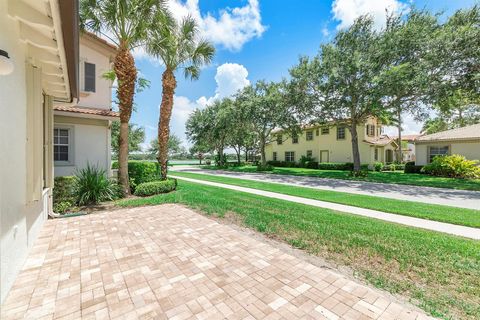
x=448, y=197
x=170, y=262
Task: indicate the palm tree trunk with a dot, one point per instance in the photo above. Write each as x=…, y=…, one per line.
x=126, y=73
x=169, y=83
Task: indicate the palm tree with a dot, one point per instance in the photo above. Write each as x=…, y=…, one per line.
x=125, y=23
x=178, y=46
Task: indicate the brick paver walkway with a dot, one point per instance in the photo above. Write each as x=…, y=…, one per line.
x=170, y=262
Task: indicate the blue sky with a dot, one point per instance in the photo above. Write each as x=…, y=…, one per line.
x=256, y=40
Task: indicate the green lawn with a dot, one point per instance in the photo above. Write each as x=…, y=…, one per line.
x=397, y=177
x=440, y=273
x=460, y=216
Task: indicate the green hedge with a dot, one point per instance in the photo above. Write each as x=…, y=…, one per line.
x=410, y=167
x=453, y=166
x=64, y=193
x=155, y=187
x=140, y=172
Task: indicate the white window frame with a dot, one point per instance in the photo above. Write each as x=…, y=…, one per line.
x=70, y=145
x=429, y=155
x=85, y=74
x=295, y=138
x=279, y=139
x=291, y=155
x=309, y=135
x=344, y=133
x=325, y=131
x=274, y=156
x=309, y=154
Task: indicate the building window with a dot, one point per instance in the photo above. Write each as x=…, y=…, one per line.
x=289, y=156
x=317, y=132
x=61, y=145
x=325, y=130
x=309, y=153
x=340, y=133
x=376, y=154
x=274, y=156
x=279, y=139
x=309, y=135
x=370, y=130
x=295, y=138
x=436, y=152
x=89, y=85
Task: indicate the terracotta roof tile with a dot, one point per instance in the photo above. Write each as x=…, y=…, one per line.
x=90, y=111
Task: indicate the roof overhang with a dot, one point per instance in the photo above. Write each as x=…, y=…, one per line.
x=86, y=113
x=447, y=140
x=49, y=30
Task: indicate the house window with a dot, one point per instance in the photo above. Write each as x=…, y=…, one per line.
x=325, y=130
x=61, y=145
x=295, y=138
x=437, y=151
x=309, y=153
x=317, y=132
x=290, y=156
x=274, y=156
x=340, y=133
x=89, y=85
x=376, y=154
x=309, y=135
x=370, y=130
x=279, y=139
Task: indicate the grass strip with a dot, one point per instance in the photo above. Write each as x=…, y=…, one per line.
x=440, y=273
x=459, y=216
x=395, y=177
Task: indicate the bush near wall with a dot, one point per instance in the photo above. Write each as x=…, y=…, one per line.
x=155, y=187
x=315, y=165
x=410, y=167
x=140, y=172
x=63, y=193
x=453, y=166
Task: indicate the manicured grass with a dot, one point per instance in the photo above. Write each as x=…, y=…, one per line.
x=396, y=177
x=438, y=272
x=460, y=216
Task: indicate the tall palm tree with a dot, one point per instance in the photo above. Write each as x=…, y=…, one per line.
x=178, y=46
x=125, y=23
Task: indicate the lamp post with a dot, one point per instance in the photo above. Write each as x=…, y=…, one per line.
x=6, y=65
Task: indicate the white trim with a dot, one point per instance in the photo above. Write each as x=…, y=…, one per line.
x=71, y=145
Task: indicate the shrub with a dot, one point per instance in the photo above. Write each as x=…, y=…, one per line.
x=92, y=186
x=267, y=167
x=358, y=174
x=311, y=165
x=410, y=167
x=378, y=166
x=208, y=162
x=63, y=193
x=454, y=166
x=335, y=166
x=140, y=172
x=155, y=187
x=303, y=161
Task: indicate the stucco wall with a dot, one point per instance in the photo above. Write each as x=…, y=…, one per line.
x=102, y=96
x=19, y=222
x=338, y=150
x=471, y=150
x=91, y=144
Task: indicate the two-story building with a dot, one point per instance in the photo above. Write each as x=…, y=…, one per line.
x=81, y=131
x=332, y=143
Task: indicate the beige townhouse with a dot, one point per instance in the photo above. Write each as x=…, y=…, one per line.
x=332, y=143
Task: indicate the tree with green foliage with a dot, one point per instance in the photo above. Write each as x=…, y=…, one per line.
x=125, y=23
x=174, y=146
x=177, y=46
x=403, y=79
x=136, y=136
x=198, y=151
x=267, y=108
x=340, y=83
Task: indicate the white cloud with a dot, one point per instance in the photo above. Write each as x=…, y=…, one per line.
x=231, y=29
x=230, y=78
x=346, y=11
x=409, y=126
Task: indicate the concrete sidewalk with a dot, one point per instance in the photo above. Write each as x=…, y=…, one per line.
x=448, y=197
x=467, y=232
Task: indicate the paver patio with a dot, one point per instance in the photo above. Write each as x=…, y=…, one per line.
x=170, y=262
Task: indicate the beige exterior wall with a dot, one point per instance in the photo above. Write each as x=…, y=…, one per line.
x=321, y=145
x=93, y=53
x=469, y=149
x=24, y=168
x=90, y=143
